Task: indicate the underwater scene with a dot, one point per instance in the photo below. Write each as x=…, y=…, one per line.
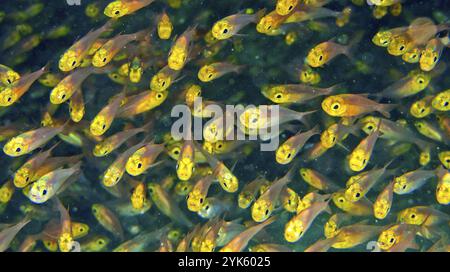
x=224, y=126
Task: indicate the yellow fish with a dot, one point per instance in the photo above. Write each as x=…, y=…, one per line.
x=443, y=186
x=142, y=102
x=412, y=180
x=103, y=120
x=287, y=151
x=383, y=203
x=120, y=8
x=294, y=93
x=265, y=204
x=360, y=156
x=351, y=105
x=164, y=26
x=180, y=50
x=229, y=26
x=143, y=158
x=196, y=198
x=73, y=57
x=441, y=101
x=13, y=92
x=28, y=141
x=215, y=70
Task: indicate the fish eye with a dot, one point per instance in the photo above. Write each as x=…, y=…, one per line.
x=290, y=8
x=357, y=195
x=404, y=187
x=18, y=149
x=201, y=200
x=104, y=60
x=117, y=12
x=139, y=165
x=73, y=63
x=413, y=216
x=163, y=84
x=335, y=106
x=278, y=96
x=81, y=229
x=422, y=110
x=225, y=31
x=9, y=99
x=320, y=58
x=435, y=59
x=159, y=95
x=267, y=212
x=207, y=207
x=289, y=155
x=341, y=200
x=100, y=242
x=63, y=96
x=104, y=126
x=150, y=190
x=27, y=179
x=392, y=240
x=402, y=48
x=210, y=76
x=219, y=146
x=44, y=192
x=176, y=152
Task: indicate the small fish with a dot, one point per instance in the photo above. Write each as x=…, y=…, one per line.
x=271, y=22
x=113, y=142
x=143, y=158
x=227, y=180
x=284, y=7
x=7, y=75
x=249, y=192
x=8, y=234
x=352, y=105
x=354, y=235
x=65, y=238
x=441, y=101
x=336, y=133
x=164, y=79
x=318, y=181
x=422, y=108
x=412, y=181
x=362, y=185
x=181, y=49
x=363, y=207
x=360, y=156
x=25, y=174
x=120, y=8
x=142, y=102
x=51, y=184
x=240, y=241
x=265, y=204
x=392, y=131
x=413, y=83
x=300, y=223
x=229, y=26
x=65, y=89
x=164, y=26
x=115, y=171
x=215, y=70
x=195, y=199
x=73, y=57
x=398, y=238
x=167, y=205
x=429, y=130
x=325, y=52
x=107, y=219
x=6, y=191
x=422, y=216
x=96, y=243
x=13, y=92
x=335, y=223
x=111, y=48
x=431, y=54
x=103, y=120
x=76, y=106
x=383, y=203
x=267, y=117
x=295, y=93
x=287, y=151
x=443, y=186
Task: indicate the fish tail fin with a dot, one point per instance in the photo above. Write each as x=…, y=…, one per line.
x=259, y=14
x=350, y=48
x=385, y=109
